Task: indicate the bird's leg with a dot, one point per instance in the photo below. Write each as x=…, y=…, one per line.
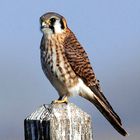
x=63, y=99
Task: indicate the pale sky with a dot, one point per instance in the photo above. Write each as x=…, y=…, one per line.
x=110, y=33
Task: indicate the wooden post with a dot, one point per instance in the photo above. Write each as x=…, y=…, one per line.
x=58, y=122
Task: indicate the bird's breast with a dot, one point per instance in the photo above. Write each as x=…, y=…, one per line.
x=58, y=65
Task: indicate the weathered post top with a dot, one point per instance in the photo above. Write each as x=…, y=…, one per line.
x=58, y=122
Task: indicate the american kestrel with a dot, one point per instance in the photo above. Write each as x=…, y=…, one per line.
x=67, y=66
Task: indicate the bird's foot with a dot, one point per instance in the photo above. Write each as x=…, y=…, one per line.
x=61, y=100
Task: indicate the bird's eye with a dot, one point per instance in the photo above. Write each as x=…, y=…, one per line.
x=52, y=20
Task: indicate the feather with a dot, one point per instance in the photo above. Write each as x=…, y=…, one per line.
x=80, y=64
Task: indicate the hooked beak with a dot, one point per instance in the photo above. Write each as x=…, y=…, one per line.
x=44, y=25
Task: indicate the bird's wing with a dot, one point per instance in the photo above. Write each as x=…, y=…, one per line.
x=79, y=62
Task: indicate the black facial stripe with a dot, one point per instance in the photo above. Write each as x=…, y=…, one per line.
x=62, y=24
x=52, y=28
x=52, y=20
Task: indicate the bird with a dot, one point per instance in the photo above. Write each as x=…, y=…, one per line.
x=67, y=66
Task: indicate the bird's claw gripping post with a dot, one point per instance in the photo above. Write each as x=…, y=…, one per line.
x=60, y=101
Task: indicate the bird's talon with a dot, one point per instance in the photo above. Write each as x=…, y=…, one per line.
x=64, y=100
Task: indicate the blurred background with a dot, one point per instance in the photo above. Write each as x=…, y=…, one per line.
x=110, y=33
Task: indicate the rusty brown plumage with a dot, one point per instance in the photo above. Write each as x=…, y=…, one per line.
x=79, y=62
x=78, y=59
x=67, y=66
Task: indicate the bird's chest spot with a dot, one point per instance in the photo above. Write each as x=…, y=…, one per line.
x=59, y=66
x=53, y=60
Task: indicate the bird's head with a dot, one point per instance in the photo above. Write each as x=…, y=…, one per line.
x=52, y=23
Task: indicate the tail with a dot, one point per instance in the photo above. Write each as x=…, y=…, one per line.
x=98, y=99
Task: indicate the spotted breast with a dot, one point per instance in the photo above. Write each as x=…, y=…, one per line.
x=55, y=65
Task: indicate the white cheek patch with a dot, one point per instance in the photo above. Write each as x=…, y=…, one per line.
x=57, y=27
